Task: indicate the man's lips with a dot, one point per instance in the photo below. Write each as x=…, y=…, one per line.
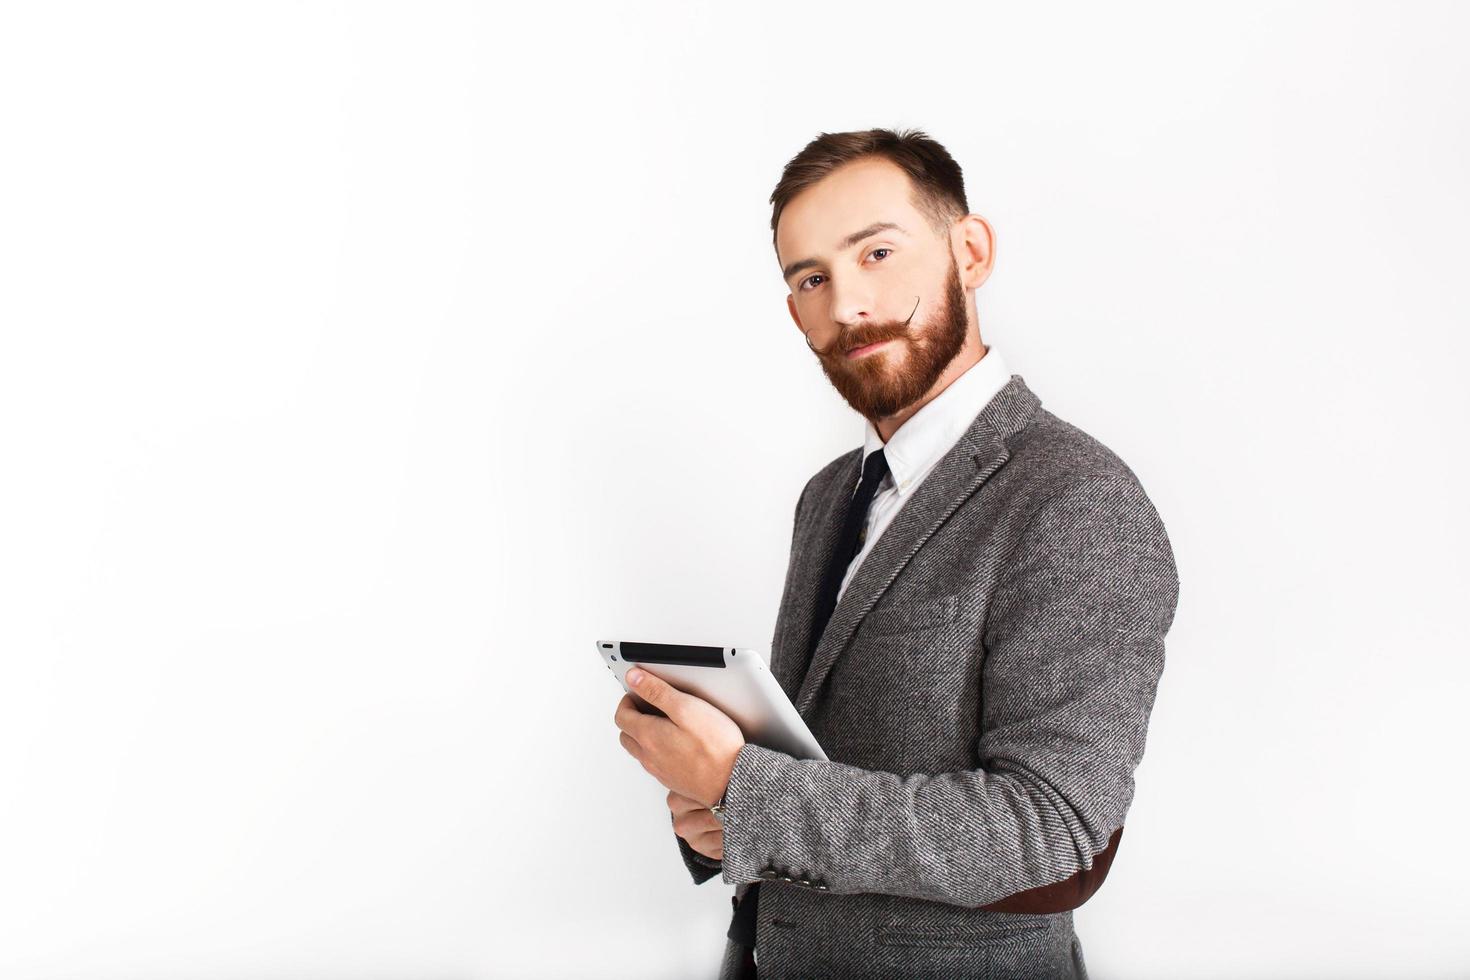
x=868, y=349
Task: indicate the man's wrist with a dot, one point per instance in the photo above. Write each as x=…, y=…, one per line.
x=718, y=808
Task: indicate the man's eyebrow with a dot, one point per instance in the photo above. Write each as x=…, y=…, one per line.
x=846, y=243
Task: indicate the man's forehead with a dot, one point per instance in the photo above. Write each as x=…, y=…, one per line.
x=823, y=218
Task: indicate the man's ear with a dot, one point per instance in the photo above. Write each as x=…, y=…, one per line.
x=973, y=241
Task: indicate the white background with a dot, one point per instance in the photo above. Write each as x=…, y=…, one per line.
x=362, y=364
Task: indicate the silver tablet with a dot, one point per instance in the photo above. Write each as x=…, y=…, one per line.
x=736, y=681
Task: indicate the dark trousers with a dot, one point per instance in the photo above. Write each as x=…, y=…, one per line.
x=739, y=962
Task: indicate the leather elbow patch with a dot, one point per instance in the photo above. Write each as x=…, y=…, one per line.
x=1065, y=895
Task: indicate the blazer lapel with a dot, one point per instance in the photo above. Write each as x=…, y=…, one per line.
x=817, y=542
x=978, y=454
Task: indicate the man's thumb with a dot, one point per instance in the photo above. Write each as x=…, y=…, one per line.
x=654, y=690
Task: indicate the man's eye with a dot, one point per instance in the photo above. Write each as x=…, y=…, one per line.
x=802, y=284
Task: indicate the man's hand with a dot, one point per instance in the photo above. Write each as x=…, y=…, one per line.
x=698, y=825
x=691, y=751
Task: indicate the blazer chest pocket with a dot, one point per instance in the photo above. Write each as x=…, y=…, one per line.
x=910, y=615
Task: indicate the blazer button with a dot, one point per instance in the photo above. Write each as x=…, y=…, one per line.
x=803, y=882
x=784, y=878
x=821, y=888
x=768, y=874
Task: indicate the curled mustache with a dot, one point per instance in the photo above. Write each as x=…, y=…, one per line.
x=836, y=343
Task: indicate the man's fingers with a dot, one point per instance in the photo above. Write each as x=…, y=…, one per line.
x=620, y=713
x=689, y=824
x=631, y=745
x=628, y=717
x=698, y=825
x=712, y=845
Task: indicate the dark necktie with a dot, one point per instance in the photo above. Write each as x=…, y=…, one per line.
x=849, y=543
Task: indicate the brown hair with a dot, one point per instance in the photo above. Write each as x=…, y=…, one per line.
x=938, y=183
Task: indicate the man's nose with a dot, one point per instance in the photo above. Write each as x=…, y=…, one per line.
x=852, y=303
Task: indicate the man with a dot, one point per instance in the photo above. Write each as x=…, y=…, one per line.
x=972, y=623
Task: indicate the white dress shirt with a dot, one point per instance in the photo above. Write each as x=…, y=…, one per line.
x=922, y=441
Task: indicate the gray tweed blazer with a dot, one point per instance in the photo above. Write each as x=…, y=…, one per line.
x=982, y=690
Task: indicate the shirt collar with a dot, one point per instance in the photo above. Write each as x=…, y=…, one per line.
x=933, y=430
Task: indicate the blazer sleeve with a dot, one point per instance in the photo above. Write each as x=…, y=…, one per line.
x=1074, y=648
x=702, y=868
